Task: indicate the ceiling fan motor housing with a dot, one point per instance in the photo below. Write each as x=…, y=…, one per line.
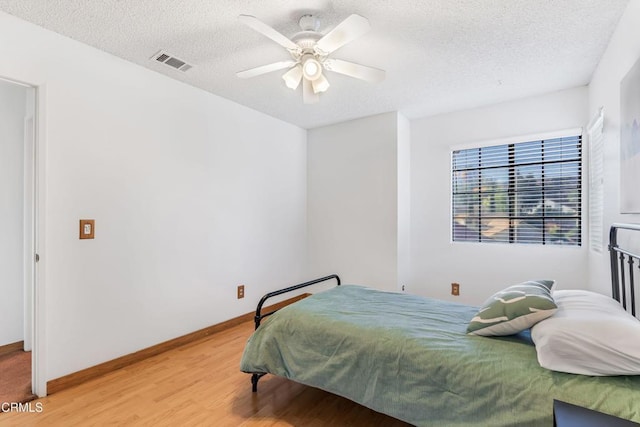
x=309, y=35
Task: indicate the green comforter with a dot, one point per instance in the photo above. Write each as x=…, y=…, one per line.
x=410, y=357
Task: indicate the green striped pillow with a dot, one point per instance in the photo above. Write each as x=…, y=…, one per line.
x=514, y=309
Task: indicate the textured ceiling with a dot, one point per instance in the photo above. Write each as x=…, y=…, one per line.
x=439, y=55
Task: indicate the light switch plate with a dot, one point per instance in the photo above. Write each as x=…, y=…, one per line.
x=87, y=228
x=455, y=289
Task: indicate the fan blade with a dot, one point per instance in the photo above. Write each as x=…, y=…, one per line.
x=349, y=29
x=308, y=95
x=293, y=77
x=369, y=74
x=267, y=31
x=321, y=84
x=265, y=69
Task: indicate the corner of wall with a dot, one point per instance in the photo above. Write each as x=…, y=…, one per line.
x=404, y=201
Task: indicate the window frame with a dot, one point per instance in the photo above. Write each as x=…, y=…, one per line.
x=570, y=132
x=596, y=141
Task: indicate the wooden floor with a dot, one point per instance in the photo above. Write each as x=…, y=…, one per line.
x=199, y=384
x=15, y=377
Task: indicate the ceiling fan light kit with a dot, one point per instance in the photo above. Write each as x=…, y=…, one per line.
x=311, y=68
x=293, y=77
x=310, y=52
x=321, y=84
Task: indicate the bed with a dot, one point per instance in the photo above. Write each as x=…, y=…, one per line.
x=411, y=357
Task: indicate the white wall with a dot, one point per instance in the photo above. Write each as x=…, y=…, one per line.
x=353, y=201
x=12, y=114
x=482, y=269
x=192, y=195
x=604, y=91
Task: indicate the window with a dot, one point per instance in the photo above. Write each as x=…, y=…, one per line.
x=527, y=192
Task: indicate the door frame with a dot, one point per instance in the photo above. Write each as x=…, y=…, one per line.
x=38, y=360
x=34, y=259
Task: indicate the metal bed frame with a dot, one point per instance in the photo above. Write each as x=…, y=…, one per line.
x=259, y=315
x=623, y=277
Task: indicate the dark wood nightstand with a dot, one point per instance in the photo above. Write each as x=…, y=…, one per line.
x=568, y=415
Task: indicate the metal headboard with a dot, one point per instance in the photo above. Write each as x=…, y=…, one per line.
x=623, y=276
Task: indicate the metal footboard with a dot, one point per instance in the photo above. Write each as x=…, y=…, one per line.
x=623, y=276
x=259, y=315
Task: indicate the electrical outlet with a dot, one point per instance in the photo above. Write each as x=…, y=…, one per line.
x=455, y=289
x=240, y=291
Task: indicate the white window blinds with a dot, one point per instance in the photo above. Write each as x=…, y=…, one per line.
x=596, y=181
x=527, y=192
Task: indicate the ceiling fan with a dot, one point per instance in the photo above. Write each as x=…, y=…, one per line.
x=310, y=52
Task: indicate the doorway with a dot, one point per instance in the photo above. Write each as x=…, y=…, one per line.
x=17, y=247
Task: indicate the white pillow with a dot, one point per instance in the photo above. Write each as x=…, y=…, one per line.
x=589, y=334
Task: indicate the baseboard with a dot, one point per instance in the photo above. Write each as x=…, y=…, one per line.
x=87, y=374
x=8, y=348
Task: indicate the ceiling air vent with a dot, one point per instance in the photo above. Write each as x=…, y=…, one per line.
x=171, y=61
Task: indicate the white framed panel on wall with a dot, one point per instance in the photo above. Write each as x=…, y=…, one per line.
x=630, y=140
